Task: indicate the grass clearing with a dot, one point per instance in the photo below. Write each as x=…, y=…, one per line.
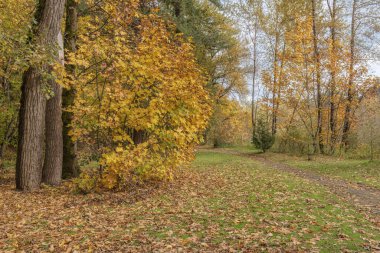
x=357, y=171
x=353, y=170
x=222, y=202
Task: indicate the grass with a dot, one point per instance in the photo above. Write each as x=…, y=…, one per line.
x=223, y=202
x=358, y=171
x=353, y=170
x=284, y=210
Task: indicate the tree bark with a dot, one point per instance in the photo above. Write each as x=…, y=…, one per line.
x=33, y=102
x=52, y=170
x=31, y=133
x=70, y=164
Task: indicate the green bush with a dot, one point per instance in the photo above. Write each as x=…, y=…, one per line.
x=262, y=138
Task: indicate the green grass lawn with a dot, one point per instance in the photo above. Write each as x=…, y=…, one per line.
x=221, y=203
x=283, y=211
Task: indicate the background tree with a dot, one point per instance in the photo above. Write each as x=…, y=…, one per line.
x=263, y=138
x=217, y=50
x=70, y=162
x=369, y=123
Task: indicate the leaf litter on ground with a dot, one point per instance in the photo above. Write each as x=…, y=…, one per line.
x=221, y=203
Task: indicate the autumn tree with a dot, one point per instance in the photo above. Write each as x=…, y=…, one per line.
x=140, y=101
x=217, y=50
x=308, y=66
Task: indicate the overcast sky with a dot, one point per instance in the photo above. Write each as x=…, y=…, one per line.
x=376, y=68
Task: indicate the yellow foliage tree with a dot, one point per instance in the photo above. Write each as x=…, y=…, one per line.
x=140, y=97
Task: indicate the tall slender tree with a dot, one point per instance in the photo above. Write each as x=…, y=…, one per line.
x=317, y=61
x=333, y=65
x=70, y=165
x=350, y=88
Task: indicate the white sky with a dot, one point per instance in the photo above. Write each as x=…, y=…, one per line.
x=375, y=68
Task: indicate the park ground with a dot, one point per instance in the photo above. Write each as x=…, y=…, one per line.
x=227, y=200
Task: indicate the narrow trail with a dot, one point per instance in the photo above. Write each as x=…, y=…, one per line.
x=363, y=197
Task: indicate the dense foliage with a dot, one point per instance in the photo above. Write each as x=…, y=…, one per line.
x=310, y=69
x=144, y=81
x=140, y=98
x=15, y=18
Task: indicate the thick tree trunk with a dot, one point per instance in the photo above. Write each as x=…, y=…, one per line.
x=33, y=102
x=350, y=89
x=318, y=79
x=52, y=170
x=31, y=133
x=70, y=165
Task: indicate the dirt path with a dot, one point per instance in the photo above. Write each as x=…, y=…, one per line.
x=365, y=198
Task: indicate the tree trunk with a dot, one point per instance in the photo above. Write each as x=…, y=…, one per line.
x=279, y=90
x=350, y=89
x=52, y=170
x=333, y=78
x=253, y=115
x=33, y=102
x=139, y=136
x=31, y=133
x=318, y=79
x=274, y=98
x=70, y=164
